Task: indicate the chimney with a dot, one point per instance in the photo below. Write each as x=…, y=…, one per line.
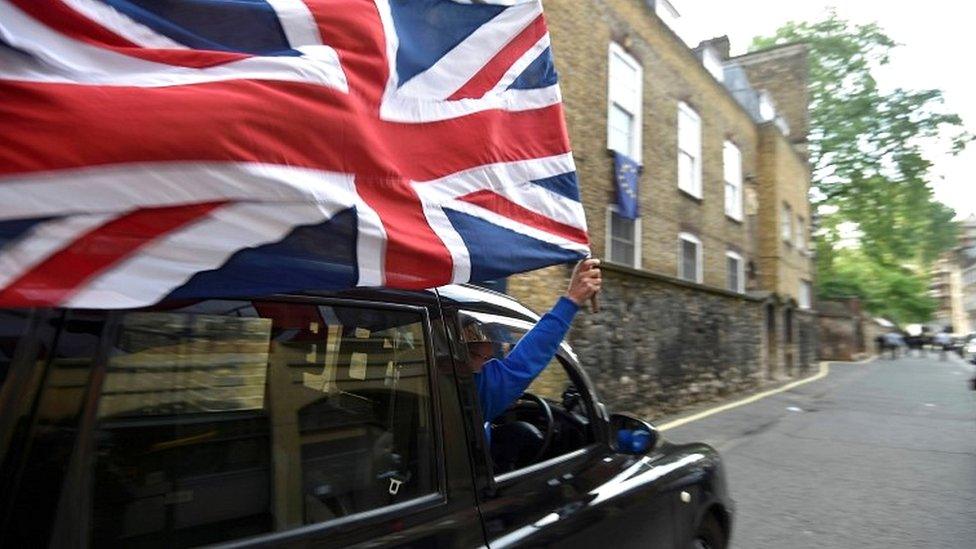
x=720, y=44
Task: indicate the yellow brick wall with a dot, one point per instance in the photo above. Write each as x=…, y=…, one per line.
x=671, y=74
x=784, y=178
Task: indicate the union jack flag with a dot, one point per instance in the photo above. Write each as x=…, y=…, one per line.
x=154, y=149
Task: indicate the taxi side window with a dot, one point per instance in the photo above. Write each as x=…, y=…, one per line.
x=13, y=324
x=219, y=420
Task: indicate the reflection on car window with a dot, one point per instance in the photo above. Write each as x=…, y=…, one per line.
x=13, y=323
x=225, y=419
x=43, y=446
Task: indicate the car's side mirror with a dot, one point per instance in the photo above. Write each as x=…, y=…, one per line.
x=632, y=435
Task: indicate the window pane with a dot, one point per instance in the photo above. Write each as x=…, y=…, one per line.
x=732, y=165
x=52, y=437
x=786, y=223
x=624, y=82
x=689, y=261
x=226, y=419
x=732, y=198
x=621, y=130
x=622, y=228
x=554, y=384
x=622, y=239
x=622, y=252
x=13, y=323
x=732, y=268
x=686, y=172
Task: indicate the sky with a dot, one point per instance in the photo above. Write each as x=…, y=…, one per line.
x=934, y=52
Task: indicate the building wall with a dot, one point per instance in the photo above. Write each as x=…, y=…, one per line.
x=659, y=344
x=783, y=71
x=784, y=178
x=671, y=74
x=673, y=344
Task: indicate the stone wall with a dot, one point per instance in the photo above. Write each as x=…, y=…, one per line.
x=659, y=345
x=841, y=332
x=838, y=337
x=807, y=340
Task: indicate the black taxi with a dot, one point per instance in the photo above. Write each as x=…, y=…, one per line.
x=339, y=419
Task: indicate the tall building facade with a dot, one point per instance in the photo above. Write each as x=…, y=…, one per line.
x=708, y=290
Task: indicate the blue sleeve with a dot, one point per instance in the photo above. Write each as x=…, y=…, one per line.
x=502, y=381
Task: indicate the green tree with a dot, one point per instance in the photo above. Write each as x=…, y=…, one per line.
x=870, y=173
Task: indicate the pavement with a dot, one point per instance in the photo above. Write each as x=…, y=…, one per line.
x=875, y=454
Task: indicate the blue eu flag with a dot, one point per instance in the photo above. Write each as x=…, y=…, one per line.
x=626, y=174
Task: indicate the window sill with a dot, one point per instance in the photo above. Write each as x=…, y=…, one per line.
x=688, y=194
x=737, y=220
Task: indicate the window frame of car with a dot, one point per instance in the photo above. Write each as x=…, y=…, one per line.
x=79, y=477
x=596, y=413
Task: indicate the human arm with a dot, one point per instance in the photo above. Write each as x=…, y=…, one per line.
x=502, y=381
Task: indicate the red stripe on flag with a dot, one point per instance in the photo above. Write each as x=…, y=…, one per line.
x=62, y=18
x=60, y=126
x=500, y=205
x=354, y=29
x=415, y=257
x=63, y=274
x=495, y=69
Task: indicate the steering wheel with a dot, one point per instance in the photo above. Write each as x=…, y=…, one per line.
x=550, y=423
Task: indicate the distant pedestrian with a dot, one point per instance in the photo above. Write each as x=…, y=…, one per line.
x=942, y=341
x=893, y=341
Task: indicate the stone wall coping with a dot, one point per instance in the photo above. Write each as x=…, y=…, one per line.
x=657, y=277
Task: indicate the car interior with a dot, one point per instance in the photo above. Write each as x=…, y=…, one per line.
x=551, y=418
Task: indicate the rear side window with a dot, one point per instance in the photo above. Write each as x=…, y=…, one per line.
x=229, y=419
x=13, y=325
x=219, y=420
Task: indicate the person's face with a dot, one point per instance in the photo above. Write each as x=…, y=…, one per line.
x=478, y=354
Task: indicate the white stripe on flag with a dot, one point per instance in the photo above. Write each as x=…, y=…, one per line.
x=521, y=64
x=123, y=25
x=370, y=246
x=56, y=58
x=442, y=226
x=513, y=181
x=123, y=187
x=158, y=268
x=458, y=66
x=297, y=21
x=42, y=241
x=398, y=108
x=511, y=224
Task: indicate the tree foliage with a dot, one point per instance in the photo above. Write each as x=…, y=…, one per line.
x=871, y=175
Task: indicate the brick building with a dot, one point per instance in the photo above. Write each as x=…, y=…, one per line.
x=708, y=290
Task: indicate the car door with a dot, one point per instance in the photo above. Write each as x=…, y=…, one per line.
x=578, y=498
x=292, y=421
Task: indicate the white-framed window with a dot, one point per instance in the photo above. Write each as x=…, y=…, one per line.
x=786, y=223
x=801, y=234
x=735, y=272
x=624, y=91
x=732, y=167
x=689, y=150
x=805, y=297
x=689, y=257
x=623, y=239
